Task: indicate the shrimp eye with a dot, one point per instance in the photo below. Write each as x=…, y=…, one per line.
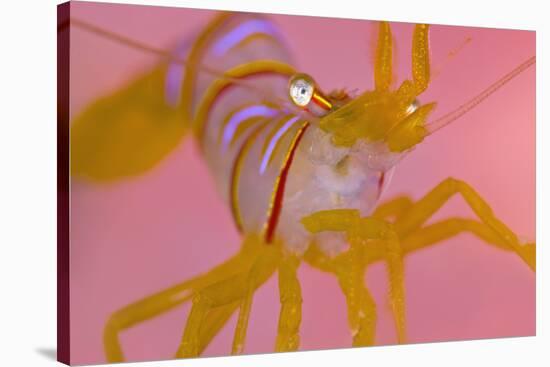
x=304, y=94
x=301, y=88
x=413, y=107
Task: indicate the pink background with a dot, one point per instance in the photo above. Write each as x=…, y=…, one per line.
x=136, y=237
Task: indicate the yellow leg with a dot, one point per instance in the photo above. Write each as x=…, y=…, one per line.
x=393, y=208
x=318, y=259
x=373, y=239
x=166, y=300
x=445, y=229
x=252, y=277
x=362, y=315
x=226, y=291
x=351, y=269
x=217, y=318
x=424, y=209
x=239, y=337
x=376, y=229
x=423, y=237
x=288, y=335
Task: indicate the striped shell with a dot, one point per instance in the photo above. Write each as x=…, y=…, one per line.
x=271, y=164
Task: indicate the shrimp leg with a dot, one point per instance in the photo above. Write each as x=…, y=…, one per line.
x=258, y=271
x=288, y=338
x=349, y=268
x=168, y=299
x=405, y=235
x=423, y=210
x=422, y=238
x=442, y=230
x=361, y=308
x=234, y=288
x=362, y=314
x=393, y=208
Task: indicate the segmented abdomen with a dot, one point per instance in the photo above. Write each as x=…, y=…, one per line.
x=246, y=133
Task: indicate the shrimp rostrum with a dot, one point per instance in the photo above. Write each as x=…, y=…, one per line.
x=302, y=172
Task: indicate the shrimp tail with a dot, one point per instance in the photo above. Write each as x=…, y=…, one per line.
x=128, y=131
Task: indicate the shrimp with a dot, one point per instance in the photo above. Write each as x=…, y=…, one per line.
x=302, y=172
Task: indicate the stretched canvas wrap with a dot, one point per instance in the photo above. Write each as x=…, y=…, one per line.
x=237, y=183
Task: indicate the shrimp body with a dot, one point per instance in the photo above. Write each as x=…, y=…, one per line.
x=272, y=165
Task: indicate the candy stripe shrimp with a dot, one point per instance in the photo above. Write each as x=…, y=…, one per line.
x=302, y=172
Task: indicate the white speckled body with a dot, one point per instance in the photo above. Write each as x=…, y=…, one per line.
x=324, y=177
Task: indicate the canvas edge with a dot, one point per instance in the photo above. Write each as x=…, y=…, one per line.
x=63, y=250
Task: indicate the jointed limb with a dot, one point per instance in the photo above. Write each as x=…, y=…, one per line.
x=362, y=316
x=226, y=291
x=350, y=268
x=426, y=207
x=231, y=285
x=205, y=303
x=375, y=229
x=318, y=259
x=288, y=337
x=440, y=231
x=434, y=233
x=380, y=240
x=424, y=237
x=393, y=208
x=166, y=300
x=447, y=228
x=258, y=271
x=239, y=337
x=217, y=318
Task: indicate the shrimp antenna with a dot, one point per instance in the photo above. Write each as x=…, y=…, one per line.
x=451, y=54
x=464, y=108
x=165, y=54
